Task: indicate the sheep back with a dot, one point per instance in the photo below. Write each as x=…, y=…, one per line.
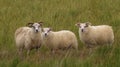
x=102, y=34
x=61, y=39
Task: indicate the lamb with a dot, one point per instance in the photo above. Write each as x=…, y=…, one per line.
x=95, y=35
x=28, y=37
x=63, y=39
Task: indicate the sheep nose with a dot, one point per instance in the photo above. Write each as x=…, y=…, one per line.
x=82, y=30
x=45, y=34
x=36, y=30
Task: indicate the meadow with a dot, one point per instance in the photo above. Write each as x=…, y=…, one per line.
x=59, y=14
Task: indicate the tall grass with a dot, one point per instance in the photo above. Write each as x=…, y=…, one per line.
x=59, y=14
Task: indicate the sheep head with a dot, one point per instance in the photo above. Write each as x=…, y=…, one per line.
x=83, y=26
x=35, y=26
x=46, y=31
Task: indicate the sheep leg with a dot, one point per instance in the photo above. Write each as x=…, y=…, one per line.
x=53, y=51
x=69, y=47
x=90, y=51
x=20, y=50
x=89, y=48
x=28, y=52
x=37, y=49
x=28, y=47
x=20, y=53
x=76, y=48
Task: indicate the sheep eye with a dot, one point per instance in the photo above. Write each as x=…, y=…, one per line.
x=80, y=26
x=48, y=31
x=33, y=27
x=86, y=26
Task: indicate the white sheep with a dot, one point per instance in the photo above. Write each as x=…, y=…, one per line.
x=63, y=39
x=28, y=37
x=95, y=35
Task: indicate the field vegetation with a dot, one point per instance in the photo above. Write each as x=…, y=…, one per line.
x=59, y=14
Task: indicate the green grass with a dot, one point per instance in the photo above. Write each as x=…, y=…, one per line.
x=59, y=14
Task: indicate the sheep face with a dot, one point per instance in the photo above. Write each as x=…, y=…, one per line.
x=83, y=26
x=35, y=26
x=46, y=31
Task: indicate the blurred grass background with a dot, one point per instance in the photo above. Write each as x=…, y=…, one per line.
x=59, y=14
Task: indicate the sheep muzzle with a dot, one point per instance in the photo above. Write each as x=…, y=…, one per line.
x=82, y=30
x=36, y=31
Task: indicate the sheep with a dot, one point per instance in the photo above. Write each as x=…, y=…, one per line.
x=28, y=37
x=63, y=39
x=95, y=35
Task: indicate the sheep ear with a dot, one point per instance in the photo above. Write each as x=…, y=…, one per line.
x=42, y=29
x=88, y=23
x=49, y=29
x=29, y=24
x=41, y=23
x=77, y=24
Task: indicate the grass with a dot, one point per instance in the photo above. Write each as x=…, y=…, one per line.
x=59, y=14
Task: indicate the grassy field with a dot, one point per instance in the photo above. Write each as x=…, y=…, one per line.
x=59, y=14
